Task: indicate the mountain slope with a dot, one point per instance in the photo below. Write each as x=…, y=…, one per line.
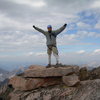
x=3, y=74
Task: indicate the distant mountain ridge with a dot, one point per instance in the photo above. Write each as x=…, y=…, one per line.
x=4, y=74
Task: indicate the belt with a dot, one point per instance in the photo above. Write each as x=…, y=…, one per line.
x=51, y=45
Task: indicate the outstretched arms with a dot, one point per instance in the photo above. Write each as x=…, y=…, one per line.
x=60, y=29
x=38, y=29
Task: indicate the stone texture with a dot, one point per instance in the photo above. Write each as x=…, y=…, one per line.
x=83, y=74
x=39, y=76
x=24, y=87
x=33, y=67
x=20, y=83
x=88, y=90
x=71, y=80
x=50, y=72
x=14, y=96
x=49, y=93
x=95, y=73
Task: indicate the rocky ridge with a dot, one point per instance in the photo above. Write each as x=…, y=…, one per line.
x=61, y=83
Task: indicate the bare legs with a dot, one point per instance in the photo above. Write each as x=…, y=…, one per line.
x=49, y=59
x=57, y=58
x=55, y=53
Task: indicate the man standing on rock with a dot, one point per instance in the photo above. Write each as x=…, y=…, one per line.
x=51, y=41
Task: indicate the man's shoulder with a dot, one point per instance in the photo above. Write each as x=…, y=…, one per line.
x=46, y=32
x=53, y=31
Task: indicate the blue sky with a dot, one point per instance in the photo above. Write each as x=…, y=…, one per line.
x=21, y=45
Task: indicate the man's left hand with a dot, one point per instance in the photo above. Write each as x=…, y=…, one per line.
x=65, y=25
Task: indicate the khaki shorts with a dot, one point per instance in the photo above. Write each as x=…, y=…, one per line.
x=51, y=49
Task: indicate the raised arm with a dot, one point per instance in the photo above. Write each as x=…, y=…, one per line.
x=38, y=29
x=60, y=29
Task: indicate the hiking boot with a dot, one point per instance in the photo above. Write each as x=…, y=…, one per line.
x=48, y=66
x=58, y=65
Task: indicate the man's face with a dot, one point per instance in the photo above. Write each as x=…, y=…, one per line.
x=49, y=29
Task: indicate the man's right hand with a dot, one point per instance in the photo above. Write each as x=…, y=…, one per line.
x=65, y=25
x=34, y=26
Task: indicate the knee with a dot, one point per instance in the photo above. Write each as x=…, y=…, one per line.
x=55, y=53
x=49, y=52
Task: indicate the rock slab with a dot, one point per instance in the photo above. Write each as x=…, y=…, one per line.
x=49, y=72
x=39, y=76
x=71, y=80
x=24, y=84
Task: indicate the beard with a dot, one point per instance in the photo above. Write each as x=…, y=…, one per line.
x=50, y=31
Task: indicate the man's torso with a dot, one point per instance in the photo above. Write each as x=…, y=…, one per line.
x=50, y=38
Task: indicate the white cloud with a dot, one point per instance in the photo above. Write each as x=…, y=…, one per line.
x=96, y=4
x=67, y=39
x=25, y=12
x=11, y=24
x=85, y=34
x=41, y=53
x=82, y=25
x=74, y=39
x=33, y=3
x=81, y=52
x=97, y=51
x=35, y=54
x=21, y=41
x=92, y=64
x=29, y=54
x=80, y=57
x=1, y=74
x=39, y=4
x=75, y=57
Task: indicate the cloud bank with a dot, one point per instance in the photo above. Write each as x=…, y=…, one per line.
x=19, y=42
